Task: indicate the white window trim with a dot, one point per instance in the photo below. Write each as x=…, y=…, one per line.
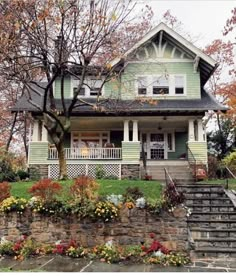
x=150, y=81
x=87, y=90
x=173, y=141
x=89, y=131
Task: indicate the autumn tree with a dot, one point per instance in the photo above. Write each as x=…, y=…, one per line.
x=47, y=40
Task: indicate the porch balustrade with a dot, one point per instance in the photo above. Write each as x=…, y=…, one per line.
x=87, y=153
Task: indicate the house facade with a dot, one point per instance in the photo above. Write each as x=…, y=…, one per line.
x=158, y=117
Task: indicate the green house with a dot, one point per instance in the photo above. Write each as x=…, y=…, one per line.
x=158, y=117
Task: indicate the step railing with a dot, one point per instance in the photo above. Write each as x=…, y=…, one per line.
x=170, y=181
x=229, y=175
x=192, y=163
x=87, y=153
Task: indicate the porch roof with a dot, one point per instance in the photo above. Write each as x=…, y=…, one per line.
x=32, y=102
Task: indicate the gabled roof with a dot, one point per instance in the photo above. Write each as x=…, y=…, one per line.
x=206, y=63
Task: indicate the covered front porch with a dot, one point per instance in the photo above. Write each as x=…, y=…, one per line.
x=154, y=138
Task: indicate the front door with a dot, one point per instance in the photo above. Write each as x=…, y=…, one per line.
x=157, y=146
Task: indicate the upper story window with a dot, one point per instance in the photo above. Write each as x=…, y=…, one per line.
x=142, y=85
x=160, y=86
x=172, y=85
x=91, y=87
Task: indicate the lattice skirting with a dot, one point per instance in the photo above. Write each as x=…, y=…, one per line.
x=74, y=170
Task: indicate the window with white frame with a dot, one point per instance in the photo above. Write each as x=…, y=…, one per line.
x=160, y=85
x=179, y=85
x=91, y=87
x=171, y=85
x=142, y=85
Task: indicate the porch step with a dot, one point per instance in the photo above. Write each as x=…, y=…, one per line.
x=213, y=215
x=210, y=208
x=200, y=232
x=213, y=223
x=203, y=200
x=215, y=242
x=203, y=252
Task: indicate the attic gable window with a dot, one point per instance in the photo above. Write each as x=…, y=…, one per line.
x=81, y=92
x=91, y=87
x=161, y=86
x=142, y=85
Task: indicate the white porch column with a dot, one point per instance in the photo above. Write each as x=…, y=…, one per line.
x=35, y=136
x=200, y=130
x=135, y=131
x=191, y=130
x=44, y=134
x=126, y=131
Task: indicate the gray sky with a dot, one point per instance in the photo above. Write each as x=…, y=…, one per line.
x=204, y=18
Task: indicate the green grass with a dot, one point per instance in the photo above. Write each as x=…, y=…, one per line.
x=151, y=189
x=232, y=182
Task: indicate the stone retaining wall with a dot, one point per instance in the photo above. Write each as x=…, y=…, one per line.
x=132, y=227
x=130, y=171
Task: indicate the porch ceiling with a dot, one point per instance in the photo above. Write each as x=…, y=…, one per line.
x=107, y=123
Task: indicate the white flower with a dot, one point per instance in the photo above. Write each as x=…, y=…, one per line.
x=115, y=199
x=58, y=242
x=3, y=240
x=109, y=243
x=140, y=202
x=157, y=254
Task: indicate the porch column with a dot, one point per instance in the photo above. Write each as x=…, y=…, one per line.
x=191, y=130
x=126, y=131
x=35, y=136
x=135, y=131
x=44, y=134
x=200, y=130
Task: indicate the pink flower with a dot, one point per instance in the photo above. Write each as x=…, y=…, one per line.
x=152, y=235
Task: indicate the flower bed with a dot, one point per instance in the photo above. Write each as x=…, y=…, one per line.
x=154, y=253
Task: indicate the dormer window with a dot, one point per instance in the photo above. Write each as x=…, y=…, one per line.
x=91, y=87
x=142, y=85
x=160, y=86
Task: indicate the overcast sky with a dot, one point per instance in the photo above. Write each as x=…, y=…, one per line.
x=204, y=18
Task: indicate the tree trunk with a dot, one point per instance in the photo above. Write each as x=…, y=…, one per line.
x=62, y=162
x=11, y=132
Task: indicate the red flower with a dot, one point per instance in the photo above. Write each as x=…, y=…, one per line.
x=143, y=247
x=152, y=235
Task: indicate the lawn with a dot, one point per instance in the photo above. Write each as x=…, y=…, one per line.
x=151, y=189
x=232, y=182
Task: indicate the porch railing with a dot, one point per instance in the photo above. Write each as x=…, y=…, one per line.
x=87, y=153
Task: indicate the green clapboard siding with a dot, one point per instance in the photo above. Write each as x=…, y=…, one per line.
x=67, y=88
x=199, y=150
x=135, y=69
x=112, y=88
x=130, y=150
x=180, y=145
x=38, y=152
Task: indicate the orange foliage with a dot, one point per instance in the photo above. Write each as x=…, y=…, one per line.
x=46, y=189
x=5, y=189
x=84, y=188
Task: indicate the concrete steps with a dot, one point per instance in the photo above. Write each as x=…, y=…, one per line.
x=212, y=223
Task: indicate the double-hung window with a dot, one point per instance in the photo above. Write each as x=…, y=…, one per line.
x=142, y=86
x=160, y=86
x=179, y=85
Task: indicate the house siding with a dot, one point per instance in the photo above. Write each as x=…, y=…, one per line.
x=181, y=139
x=38, y=152
x=130, y=151
x=199, y=150
x=67, y=88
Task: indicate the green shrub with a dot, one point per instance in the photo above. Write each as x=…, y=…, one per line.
x=230, y=161
x=100, y=173
x=22, y=174
x=6, y=248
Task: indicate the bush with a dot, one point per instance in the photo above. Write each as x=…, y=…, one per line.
x=106, y=211
x=84, y=188
x=22, y=174
x=46, y=189
x=100, y=173
x=133, y=193
x=6, y=248
x=13, y=204
x=5, y=189
x=213, y=167
x=230, y=161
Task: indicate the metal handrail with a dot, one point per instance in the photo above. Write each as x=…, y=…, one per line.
x=194, y=163
x=169, y=180
x=227, y=178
